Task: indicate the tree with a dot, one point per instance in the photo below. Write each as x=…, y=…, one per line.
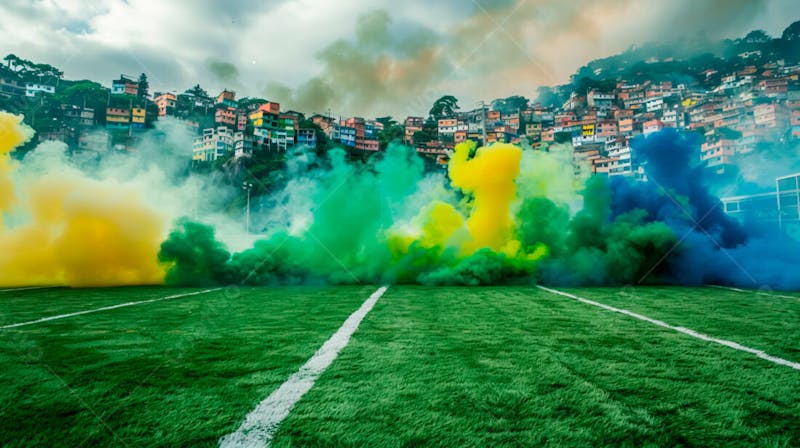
x=386, y=121
x=424, y=136
x=86, y=93
x=757, y=37
x=42, y=114
x=791, y=33
x=247, y=103
x=266, y=170
x=46, y=72
x=31, y=71
x=392, y=130
x=197, y=91
x=789, y=43
x=511, y=104
x=547, y=97
x=151, y=115
x=584, y=85
x=194, y=104
x=445, y=106
x=144, y=87
x=12, y=61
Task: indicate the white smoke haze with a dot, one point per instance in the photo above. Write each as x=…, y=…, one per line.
x=551, y=174
x=762, y=167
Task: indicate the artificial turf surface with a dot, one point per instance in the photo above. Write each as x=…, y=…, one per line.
x=505, y=366
x=521, y=367
x=22, y=305
x=759, y=320
x=174, y=373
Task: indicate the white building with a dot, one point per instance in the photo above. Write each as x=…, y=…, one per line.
x=670, y=118
x=580, y=140
x=242, y=145
x=654, y=104
x=621, y=153
x=600, y=100
x=32, y=89
x=214, y=143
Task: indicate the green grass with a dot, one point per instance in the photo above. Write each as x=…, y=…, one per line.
x=520, y=367
x=760, y=321
x=505, y=366
x=172, y=373
x=30, y=304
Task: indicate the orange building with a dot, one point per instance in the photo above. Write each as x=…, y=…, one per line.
x=226, y=95
x=270, y=108
x=166, y=104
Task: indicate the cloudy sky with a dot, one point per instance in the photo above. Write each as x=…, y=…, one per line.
x=360, y=57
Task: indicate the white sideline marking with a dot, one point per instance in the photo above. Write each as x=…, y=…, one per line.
x=759, y=293
x=736, y=346
x=260, y=425
x=729, y=288
x=106, y=308
x=26, y=288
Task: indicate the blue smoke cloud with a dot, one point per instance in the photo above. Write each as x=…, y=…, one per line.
x=714, y=247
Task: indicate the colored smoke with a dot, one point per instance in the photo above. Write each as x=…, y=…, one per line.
x=499, y=214
x=61, y=227
x=715, y=248
x=93, y=219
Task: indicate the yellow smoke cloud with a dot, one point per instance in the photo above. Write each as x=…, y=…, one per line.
x=438, y=226
x=442, y=223
x=489, y=177
x=73, y=230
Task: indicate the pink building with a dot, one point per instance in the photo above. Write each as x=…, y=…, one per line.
x=625, y=126
x=225, y=116
x=606, y=129
x=652, y=126
x=718, y=152
x=412, y=125
x=794, y=119
x=367, y=145
x=770, y=116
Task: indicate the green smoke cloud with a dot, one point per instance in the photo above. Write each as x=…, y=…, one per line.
x=194, y=256
x=347, y=223
x=223, y=71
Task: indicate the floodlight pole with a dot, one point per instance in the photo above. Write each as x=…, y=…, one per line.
x=247, y=186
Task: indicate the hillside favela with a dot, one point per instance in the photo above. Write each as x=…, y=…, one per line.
x=740, y=97
x=487, y=223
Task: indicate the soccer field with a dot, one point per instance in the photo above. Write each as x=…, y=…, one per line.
x=446, y=366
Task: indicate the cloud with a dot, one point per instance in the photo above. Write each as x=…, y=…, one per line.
x=379, y=69
x=360, y=57
x=492, y=49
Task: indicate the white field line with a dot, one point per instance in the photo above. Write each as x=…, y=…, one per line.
x=686, y=331
x=106, y=308
x=729, y=288
x=26, y=288
x=758, y=293
x=261, y=423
